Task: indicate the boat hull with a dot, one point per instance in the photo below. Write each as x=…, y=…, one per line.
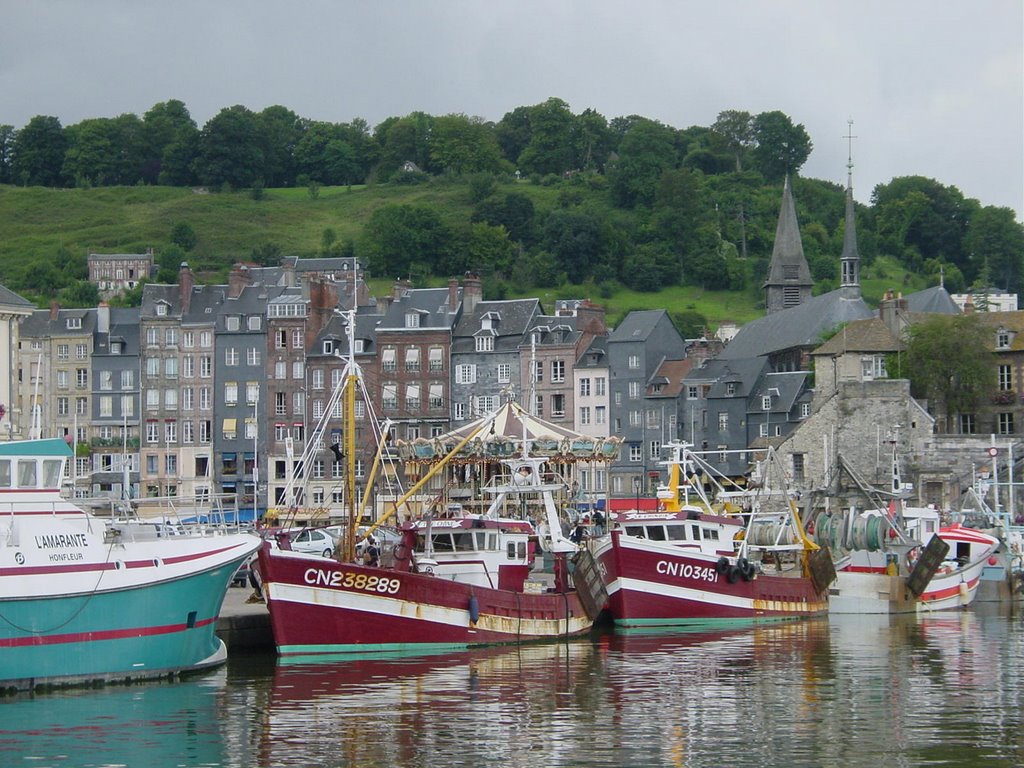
x=322, y=606
x=142, y=616
x=652, y=584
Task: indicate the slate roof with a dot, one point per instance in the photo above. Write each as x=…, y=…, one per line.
x=515, y=317
x=800, y=326
x=10, y=299
x=595, y=355
x=637, y=325
x=430, y=303
x=719, y=373
x=788, y=266
x=869, y=335
x=934, y=300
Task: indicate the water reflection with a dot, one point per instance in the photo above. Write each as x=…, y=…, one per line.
x=850, y=691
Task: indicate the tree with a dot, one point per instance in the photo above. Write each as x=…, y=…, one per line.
x=593, y=140
x=550, y=150
x=645, y=152
x=678, y=210
x=650, y=267
x=995, y=236
x=513, y=133
x=919, y=219
x=89, y=158
x=948, y=362
x=406, y=139
x=736, y=129
x=280, y=131
x=183, y=236
x=515, y=213
x=230, y=149
x=460, y=144
x=574, y=239
x=38, y=153
x=782, y=147
x=7, y=136
x=167, y=124
x=398, y=236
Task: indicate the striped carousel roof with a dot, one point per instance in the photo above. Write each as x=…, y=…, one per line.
x=500, y=435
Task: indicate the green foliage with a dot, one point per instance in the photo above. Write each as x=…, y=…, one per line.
x=691, y=324
x=948, y=361
x=782, y=146
x=183, y=236
x=397, y=236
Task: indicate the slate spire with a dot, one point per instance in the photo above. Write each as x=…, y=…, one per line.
x=789, y=280
x=849, y=261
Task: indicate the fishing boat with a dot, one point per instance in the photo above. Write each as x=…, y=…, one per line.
x=456, y=579
x=898, y=558
x=690, y=562
x=86, y=599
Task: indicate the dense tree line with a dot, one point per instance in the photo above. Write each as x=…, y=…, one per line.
x=678, y=205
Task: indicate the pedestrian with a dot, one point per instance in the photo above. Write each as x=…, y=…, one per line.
x=599, y=523
x=371, y=553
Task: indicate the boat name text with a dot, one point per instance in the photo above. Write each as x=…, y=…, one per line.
x=687, y=571
x=62, y=540
x=352, y=580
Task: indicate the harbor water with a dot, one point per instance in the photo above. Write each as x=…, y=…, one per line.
x=935, y=690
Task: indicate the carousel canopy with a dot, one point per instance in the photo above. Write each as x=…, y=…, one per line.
x=500, y=435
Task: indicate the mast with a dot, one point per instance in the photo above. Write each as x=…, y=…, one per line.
x=349, y=422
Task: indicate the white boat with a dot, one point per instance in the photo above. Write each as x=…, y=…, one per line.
x=86, y=599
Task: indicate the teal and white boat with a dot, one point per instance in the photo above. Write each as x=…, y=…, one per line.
x=86, y=599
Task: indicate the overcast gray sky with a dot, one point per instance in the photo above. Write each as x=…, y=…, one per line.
x=934, y=87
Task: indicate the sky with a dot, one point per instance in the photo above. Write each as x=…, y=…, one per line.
x=934, y=87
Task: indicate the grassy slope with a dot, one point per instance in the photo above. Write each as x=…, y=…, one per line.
x=37, y=223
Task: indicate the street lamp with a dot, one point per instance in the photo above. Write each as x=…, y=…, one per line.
x=637, y=481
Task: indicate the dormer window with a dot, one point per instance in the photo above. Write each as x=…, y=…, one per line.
x=485, y=343
x=115, y=347
x=730, y=388
x=161, y=310
x=490, y=321
x=412, y=320
x=1002, y=339
x=360, y=346
x=74, y=322
x=254, y=322
x=329, y=346
x=766, y=402
x=231, y=322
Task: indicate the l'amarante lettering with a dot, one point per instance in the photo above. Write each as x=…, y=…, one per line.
x=62, y=540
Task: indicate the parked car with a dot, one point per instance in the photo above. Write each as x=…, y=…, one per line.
x=315, y=541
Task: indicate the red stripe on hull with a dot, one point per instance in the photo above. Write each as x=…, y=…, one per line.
x=109, y=634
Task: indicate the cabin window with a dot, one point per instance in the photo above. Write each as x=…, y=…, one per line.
x=677, y=533
x=695, y=532
x=635, y=530
x=5, y=473
x=510, y=550
x=656, y=532
x=711, y=533
x=26, y=473
x=521, y=550
x=464, y=542
x=51, y=472
x=443, y=543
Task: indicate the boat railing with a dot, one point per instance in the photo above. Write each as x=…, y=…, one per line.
x=457, y=562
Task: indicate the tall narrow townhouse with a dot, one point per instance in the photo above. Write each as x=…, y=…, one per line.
x=177, y=350
x=240, y=342
x=55, y=392
x=414, y=340
x=485, y=356
x=13, y=311
x=116, y=385
x=327, y=358
x=637, y=349
x=592, y=399
x=549, y=354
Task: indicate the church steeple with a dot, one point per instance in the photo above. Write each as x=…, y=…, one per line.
x=849, y=261
x=789, y=280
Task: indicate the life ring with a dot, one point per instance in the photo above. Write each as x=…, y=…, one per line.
x=722, y=565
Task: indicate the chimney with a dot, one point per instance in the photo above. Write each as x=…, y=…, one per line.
x=590, y=318
x=453, y=295
x=238, y=279
x=472, y=291
x=54, y=309
x=103, y=317
x=892, y=310
x=400, y=288
x=968, y=305
x=323, y=300
x=186, y=282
